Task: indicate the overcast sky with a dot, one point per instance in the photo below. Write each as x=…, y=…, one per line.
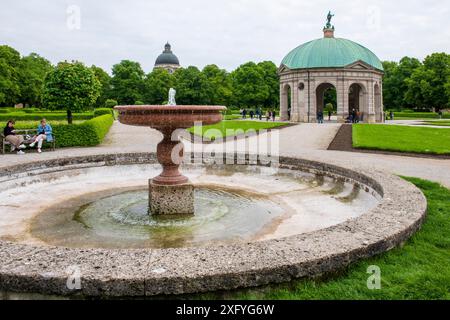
x=224, y=32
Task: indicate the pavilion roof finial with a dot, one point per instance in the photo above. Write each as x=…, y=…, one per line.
x=328, y=30
x=329, y=17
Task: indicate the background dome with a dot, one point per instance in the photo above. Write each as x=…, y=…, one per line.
x=167, y=57
x=330, y=53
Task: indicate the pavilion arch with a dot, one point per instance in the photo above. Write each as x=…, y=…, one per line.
x=320, y=94
x=358, y=99
x=286, y=101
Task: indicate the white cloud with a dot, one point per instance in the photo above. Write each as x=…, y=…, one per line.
x=223, y=32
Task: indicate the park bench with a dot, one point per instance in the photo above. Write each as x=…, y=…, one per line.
x=27, y=132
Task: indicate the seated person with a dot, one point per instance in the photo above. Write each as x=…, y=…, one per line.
x=44, y=134
x=16, y=140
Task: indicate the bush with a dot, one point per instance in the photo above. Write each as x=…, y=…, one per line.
x=420, y=115
x=102, y=111
x=111, y=103
x=86, y=134
x=22, y=116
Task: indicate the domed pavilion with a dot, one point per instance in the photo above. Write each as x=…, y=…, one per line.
x=311, y=69
x=167, y=60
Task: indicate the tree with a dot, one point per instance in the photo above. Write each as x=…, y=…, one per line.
x=72, y=87
x=249, y=88
x=192, y=86
x=394, y=83
x=9, y=76
x=272, y=80
x=157, y=85
x=127, y=82
x=105, y=85
x=33, y=71
x=427, y=85
x=219, y=85
x=330, y=98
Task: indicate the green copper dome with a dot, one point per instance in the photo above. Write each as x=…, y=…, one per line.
x=330, y=53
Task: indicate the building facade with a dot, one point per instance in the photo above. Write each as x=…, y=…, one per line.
x=167, y=60
x=311, y=69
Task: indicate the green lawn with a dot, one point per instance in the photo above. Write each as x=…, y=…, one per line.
x=233, y=128
x=402, y=138
x=418, y=270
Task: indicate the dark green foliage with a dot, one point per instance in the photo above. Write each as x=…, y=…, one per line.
x=110, y=103
x=249, y=86
x=86, y=134
x=101, y=111
x=105, y=86
x=32, y=75
x=9, y=76
x=157, y=85
x=192, y=86
x=55, y=116
x=127, y=82
x=72, y=87
x=419, y=115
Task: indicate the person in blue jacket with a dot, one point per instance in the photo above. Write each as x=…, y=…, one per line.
x=44, y=134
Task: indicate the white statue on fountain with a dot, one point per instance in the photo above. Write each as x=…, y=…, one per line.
x=172, y=93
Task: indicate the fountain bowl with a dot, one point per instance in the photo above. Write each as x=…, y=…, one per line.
x=163, y=117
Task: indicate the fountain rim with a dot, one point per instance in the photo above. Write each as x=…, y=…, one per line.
x=147, y=272
x=205, y=108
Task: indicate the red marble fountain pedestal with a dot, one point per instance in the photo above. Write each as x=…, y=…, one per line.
x=170, y=193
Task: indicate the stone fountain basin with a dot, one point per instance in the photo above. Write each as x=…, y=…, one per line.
x=147, y=272
x=175, y=117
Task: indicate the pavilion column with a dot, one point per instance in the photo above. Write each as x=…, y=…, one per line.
x=283, y=103
x=342, y=100
x=294, y=102
x=313, y=102
x=370, y=100
x=302, y=112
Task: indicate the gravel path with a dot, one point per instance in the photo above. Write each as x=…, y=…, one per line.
x=308, y=141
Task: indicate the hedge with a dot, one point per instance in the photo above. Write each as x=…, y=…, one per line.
x=101, y=111
x=86, y=134
x=22, y=116
x=420, y=115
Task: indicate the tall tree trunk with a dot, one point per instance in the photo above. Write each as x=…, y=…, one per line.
x=69, y=117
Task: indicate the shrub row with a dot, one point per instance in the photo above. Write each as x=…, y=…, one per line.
x=421, y=115
x=21, y=116
x=102, y=111
x=86, y=134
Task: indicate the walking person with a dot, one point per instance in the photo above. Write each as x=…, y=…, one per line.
x=320, y=117
x=45, y=132
x=354, y=119
x=329, y=114
x=268, y=115
x=274, y=115
x=252, y=114
x=15, y=140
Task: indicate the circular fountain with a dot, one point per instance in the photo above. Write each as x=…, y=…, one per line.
x=254, y=225
x=170, y=193
x=241, y=226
